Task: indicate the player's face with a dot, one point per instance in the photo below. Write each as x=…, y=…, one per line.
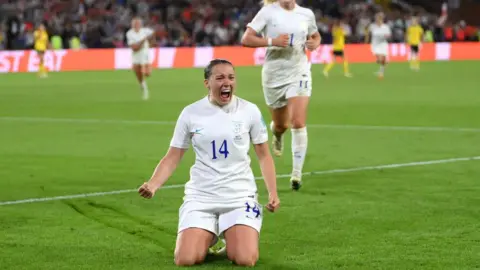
x=414, y=20
x=221, y=84
x=41, y=27
x=136, y=24
x=379, y=19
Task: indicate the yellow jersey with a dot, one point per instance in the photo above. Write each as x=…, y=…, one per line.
x=41, y=40
x=338, y=34
x=414, y=35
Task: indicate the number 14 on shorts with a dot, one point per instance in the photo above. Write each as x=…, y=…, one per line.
x=253, y=209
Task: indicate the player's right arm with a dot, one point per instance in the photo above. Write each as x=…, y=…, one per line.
x=163, y=171
x=137, y=46
x=251, y=36
x=167, y=165
x=134, y=45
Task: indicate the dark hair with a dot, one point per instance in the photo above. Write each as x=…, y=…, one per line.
x=207, y=72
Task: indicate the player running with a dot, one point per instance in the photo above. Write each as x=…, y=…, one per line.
x=41, y=44
x=380, y=33
x=138, y=39
x=338, y=33
x=287, y=30
x=221, y=195
x=413, y=38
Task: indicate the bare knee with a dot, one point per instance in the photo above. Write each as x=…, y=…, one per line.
x=280, y=127
x=298, y=123
x=188, y=259
x=246, y=259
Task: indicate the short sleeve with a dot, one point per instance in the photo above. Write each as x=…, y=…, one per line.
x=181, y=135
x=370, y=28
x=130, y=39
x=388, y=30
x=260, y=20
x=258, y=128
x=148, y=31
x=312, y=24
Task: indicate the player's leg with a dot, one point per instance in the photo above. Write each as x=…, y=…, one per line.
x=197, y=231
x=382, y=61
x=42, y=71
x=275, y=99
x=298, y=98
x=192, y=246
x=145, y=69
x=414, y=61
x=346, y=70
x=278, y=126
x=145, y=62
x=137, y=69
x=241, y=228
x=298, y=118
x=242, y=245
x=330, y=65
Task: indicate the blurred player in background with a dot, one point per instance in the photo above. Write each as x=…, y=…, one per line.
x=41, y=44
x=414, y=38
x=221, y=195
x=339, y=34
x=139, y=39
x=379, y=33
x=287, y=30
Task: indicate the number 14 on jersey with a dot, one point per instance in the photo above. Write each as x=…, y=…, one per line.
x=222, y=150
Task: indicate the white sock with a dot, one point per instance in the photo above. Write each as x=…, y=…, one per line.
x=144, y=86
x=299, y=150
x=382, y=69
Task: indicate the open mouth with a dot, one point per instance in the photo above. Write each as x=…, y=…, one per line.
x=225, y=94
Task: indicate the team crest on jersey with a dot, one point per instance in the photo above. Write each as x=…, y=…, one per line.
x=237, y=130
x=237, y=127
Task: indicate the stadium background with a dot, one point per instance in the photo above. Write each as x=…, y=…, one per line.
x=392, y=167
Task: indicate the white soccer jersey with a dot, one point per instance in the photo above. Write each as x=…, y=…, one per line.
x=379, y=34
x=134, y=37
x=221, y=139
x=285, y=65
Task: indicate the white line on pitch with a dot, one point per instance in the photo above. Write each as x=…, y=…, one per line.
x=152, y=122
x=367, y=168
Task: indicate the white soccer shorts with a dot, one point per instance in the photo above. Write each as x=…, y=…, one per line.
x=219, y=217
x=140, y=58
x=277, y=97
x=381, y=49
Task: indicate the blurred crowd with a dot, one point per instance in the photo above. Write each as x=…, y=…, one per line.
x=103, y=23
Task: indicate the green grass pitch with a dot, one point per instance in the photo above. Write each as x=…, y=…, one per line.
x=427, y=216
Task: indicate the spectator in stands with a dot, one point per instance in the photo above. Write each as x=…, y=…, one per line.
x=14, y=29
x=2, y=37
x=102, y=23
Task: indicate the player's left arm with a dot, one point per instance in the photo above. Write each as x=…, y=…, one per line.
x=388, y=35
x=314, y=38
x=259, y=138
x=152, y=39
